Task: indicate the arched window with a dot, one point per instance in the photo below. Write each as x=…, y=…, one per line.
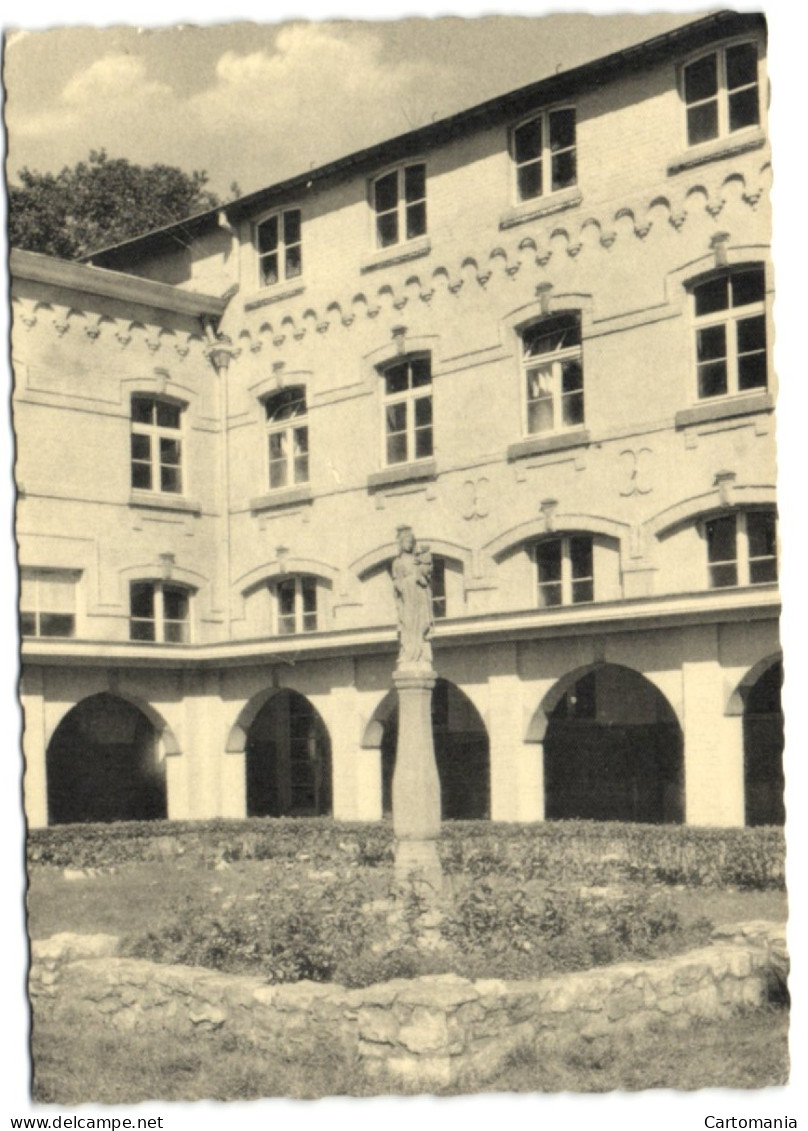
x=408, y=409
x=288, y=437
x=730, y=321
x=552, y=365
x=565, y=570
x=156, y=444
x=279, y=243
x=159, y=612
x=295, y=605
x=741, y=548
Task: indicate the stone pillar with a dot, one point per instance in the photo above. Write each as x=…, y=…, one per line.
x=416, y=788
x=713, y=741
x=33, y=743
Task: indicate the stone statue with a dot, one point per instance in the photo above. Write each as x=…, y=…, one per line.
x=412, y=585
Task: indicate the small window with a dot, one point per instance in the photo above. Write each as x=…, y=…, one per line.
x=553, y=373
x=287, y=437
x=730, y=319
x=279, y=242
x=408, y=410
x=47, y=602
x=159, y=612
x=565, y=570
x=742, y=549
x=721, y=93
x=438, y=587
x=399, y=203
x=156, y=445
x=296, y=600
x=544, y=154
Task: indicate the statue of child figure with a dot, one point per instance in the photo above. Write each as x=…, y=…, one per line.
x=412, y=586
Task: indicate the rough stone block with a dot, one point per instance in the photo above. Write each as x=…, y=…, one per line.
x=627, y=1000
x=377, y=1024
x=426, y=1031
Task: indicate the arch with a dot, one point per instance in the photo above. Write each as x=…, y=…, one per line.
x=462, y=751
x=700, y=506
x=287, y=755
x=534, y=528
x=736, y=703
x=105, y=762
x=613, y=748
x=380, y=555
x=763, y=745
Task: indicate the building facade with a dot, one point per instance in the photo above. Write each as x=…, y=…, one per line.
x=539, y=333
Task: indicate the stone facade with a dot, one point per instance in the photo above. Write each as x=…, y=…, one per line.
x=229, y=627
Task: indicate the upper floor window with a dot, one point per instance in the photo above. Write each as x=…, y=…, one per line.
x=721, y=92
x=156, y=445
x=438, y=587
x=742, y=549
x=288, y=437
x=279, y=242
x=408, y=410
x=159, y=612
x=544, y=154
x=399, y=202
x=565, y=570
x=731, y=332
x=296, y=601
x=47, y=602
x=553, y=373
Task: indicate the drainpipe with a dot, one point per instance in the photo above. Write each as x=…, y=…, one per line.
x=220, y=352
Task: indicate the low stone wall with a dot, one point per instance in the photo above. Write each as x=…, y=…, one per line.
x=425, y=1032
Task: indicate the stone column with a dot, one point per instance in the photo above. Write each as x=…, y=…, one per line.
x=416, y=788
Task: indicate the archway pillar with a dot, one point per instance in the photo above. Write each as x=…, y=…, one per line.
x=517, y=771
x=713, y=742
x=34, y=746
x=198, y=782
x=356, y=790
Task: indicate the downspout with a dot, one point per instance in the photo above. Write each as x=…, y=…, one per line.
x=220, y=352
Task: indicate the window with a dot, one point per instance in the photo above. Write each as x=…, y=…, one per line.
x=730, y=318
x=742, y=549
x=399, y=202
x=159, y=612
x=156, y=445
x=438, y=588
x=544, y=154
x=296, y=599
x=288, y=437
x=554, y=375
x=721, y=93
x=565, y=570
x=408, y=410
x=47, y=603
x=279, y=243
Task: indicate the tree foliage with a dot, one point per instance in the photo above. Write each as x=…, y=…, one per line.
x=99, y=202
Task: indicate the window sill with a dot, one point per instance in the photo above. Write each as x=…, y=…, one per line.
x=403, y=473
x=274, y=295
x=724, y=409
x=539, y=207
x=156, y=501
x=400, y=253
x=538, y=445
x=716, y=150
x=285, y=497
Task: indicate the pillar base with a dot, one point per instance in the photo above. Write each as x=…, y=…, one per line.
x=417, y=862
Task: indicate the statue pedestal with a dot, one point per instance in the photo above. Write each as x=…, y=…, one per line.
x=416, y=788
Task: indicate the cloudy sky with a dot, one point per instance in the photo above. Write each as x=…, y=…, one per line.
x=254, y=103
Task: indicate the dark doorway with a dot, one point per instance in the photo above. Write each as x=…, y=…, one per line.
x=763, y=750
x=461, y=753
x=103, y=765
x=613, y=751
x=288, y=760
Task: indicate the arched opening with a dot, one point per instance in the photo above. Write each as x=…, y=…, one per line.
x=763, y=749
x=288, y=760
x=104, y=763
x=613, y=751
x=461, y=754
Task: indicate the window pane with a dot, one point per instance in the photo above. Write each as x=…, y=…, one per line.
x=277, y=444
x=286, y=625
x=562, y=129
x=169, y=452
x=528, y=181
x=702, y=122
x=175, y=632
x=386, y=192
x=396, y=379
x=582, y=591
x=168, y=415
x=762, y=571
x=438, y=587
x=550, y=595
x=396, y=416
x=175, y=603
x=294, y=265
x=269, y=269
x=301, y=441
x=143, y=410
x=711, y=296
x=414, y=183
x=286, y=403
x=28, y=624
x=741, y=65
x=572, y=376
x=56, y=624
x=423, y=443
x=423, y=411
x=743, y=109
x=548, y=558
x=711, y=343
x=421, y=369
x=141, y=630
x=581, y=556
x=722, y=576
x=416, y=220
x=752, y=371
x=713, y=379
x=751, y=334
x=141, y=599
x=573, y=409
x=540, y=415
x=291, y=226
x=560, y=331
x=308, y=589
x=141, y=447
x=286, y=597
x=170, y=480
x=527, y=143
x=721, y=539
x=268, y=235
x=387, y=229
x=564, y=169
x=761, y=534
x=748, y=287
x=701, y=79
x=397, y=448
x=141, y=476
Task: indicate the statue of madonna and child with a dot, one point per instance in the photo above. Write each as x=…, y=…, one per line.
x=412, y=586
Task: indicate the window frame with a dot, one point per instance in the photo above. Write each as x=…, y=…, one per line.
x=156, y=433
x=159, y=620
x=545, y=158
x=742, y=562
x=300, y=583
x=35, y=576
x=567, y=579
x=287, y=427
x=407, y=397
x=722, y=94
x=402, y=205
x=282, y=247
x=730, y=317
x=555, y=360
